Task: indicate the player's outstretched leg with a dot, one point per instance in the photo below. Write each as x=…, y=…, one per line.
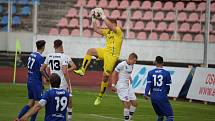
x=170, y=118
x=81, y=71
x=159, y=118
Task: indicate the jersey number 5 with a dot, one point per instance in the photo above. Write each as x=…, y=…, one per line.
x=61, y=102
x=158, y=80
x=55, y=64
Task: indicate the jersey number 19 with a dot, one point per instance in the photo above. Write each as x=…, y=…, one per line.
x=61, y=102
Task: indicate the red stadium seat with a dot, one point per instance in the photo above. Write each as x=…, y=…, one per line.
x=85, y=13
x=146, y=5
x=159, y=16
x=139, y=25
x=164, y=37
x=96, y=35
x=124, y=15
x=128, y=24
x=64, y=32
x=171, y=27
x=86, y=23
x=168, y=6
x=91, y=4
x=80, y=3
x=75, y=32
x=141, y=35
x=175, y=37
x=182, y=16
x=179, y=6
x=213, y=19
x=72, y=13
x=103, y=4
x=213, y=7
x=202, y=17
x=191, y=6
x=53, y=31
x=170, y=16
x=137, y=15
x=196, y=28
x=157, y=5
x=201, y=6
x=150, y=26
x=73, y=23
x=124, y=4
x=113, y=4
x=162, y=26
x=199, y=38
x=193, y=17
x=115, y=14
x=87, y=33
x=212, y=38
x=153, y=36
x=185, y=27
x=135, y=4
x=131, y=35
x=187, y=37
x=148, y=15
x=63, y=22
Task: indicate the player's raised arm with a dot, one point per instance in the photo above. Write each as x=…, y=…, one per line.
x=95, y=27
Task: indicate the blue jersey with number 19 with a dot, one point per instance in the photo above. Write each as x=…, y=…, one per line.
x=55, y=101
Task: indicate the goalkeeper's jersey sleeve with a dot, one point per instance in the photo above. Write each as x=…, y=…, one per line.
x=113, y=41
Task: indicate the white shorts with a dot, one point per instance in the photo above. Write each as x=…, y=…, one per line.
x=126, y=93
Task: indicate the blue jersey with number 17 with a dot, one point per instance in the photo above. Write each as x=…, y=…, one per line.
x=56, y=101
x=158, y=83
x=35, y=61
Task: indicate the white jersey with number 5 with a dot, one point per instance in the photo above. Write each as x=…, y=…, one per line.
x=55, y=62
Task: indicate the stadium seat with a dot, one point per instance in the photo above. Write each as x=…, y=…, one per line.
x=124, y=15
x=196, y=28
x=175, y=37
x=4, y=20
x=141, y=35
x=16, y=20
x=135, y=4
x=80, y=3
x=91, y=4
x=202, y=17
x=157, y=5
x=1, y=9
x=137, y=15
x=24, y=2
x=115, y=14
x=107, y=12
x=185, y=27
x=150, y=26
x=75, y=32
x=87, y=33
x=213, y=19
x=153, y=36
x=210, y=28
x=53, y=31
x=139, y=25
x=124, y=4
x=113, y=4
x=193, y=17
x=85, y=13
x=182, y=16
x=74, y=23
x=131, y=35
x=146, y=5
x=168, y=6
x=201, y=7
x=128, y=24
x=212, y=38
x=187, y=37
x=171, y=27
x=159, y=16
x=179, y=6
x=26, y=11
x=3, y=1
x=86, y=23
x=199, y=38
x=170, y=16
x=72, y=13
x=63, y=22
x=191, y=6
x=96, y=35
x=64, y=32
x=164, y=37
x=103, y=4
x=162, y=26
x=148, y=15
x=213, y=7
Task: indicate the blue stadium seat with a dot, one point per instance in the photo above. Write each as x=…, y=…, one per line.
x=36, y=1
x=1, y=9
x=4, y=20
x=16, y=20
x=22, y=2
x=13, y=9
x=3, y=1
x=5, y=29
x=25, y=11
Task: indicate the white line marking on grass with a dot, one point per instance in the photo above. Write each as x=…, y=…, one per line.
x=107, y=117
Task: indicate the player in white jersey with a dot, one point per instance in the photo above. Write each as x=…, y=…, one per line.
x=58, y=63
x=121, y=84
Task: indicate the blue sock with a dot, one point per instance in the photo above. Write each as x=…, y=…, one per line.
x=160, y=118
x=170, y=118
x=23, y=111
x=33, y=117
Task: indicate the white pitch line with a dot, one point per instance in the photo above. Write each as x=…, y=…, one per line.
x=107, y=117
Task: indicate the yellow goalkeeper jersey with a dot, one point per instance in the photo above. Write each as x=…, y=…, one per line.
x=113, y=41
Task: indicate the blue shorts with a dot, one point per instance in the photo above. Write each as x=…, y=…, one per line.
x=35, y=91
x=162, y=108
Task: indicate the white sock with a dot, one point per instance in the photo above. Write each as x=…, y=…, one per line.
x=69, y=110
x=131, y=112
x=126, y=114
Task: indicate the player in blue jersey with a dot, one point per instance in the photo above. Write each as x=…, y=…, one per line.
x=158, y=83
x=34, y=83
x=55, y=101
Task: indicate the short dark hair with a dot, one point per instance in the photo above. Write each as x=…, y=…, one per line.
x=159, y=60
x=40, y=44
x=57, y=43
x=55, y=80
x=133, y=55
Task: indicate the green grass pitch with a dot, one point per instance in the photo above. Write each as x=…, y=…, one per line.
x=13, y=97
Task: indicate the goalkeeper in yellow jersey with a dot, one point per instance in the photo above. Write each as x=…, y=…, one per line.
x=109, y=54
